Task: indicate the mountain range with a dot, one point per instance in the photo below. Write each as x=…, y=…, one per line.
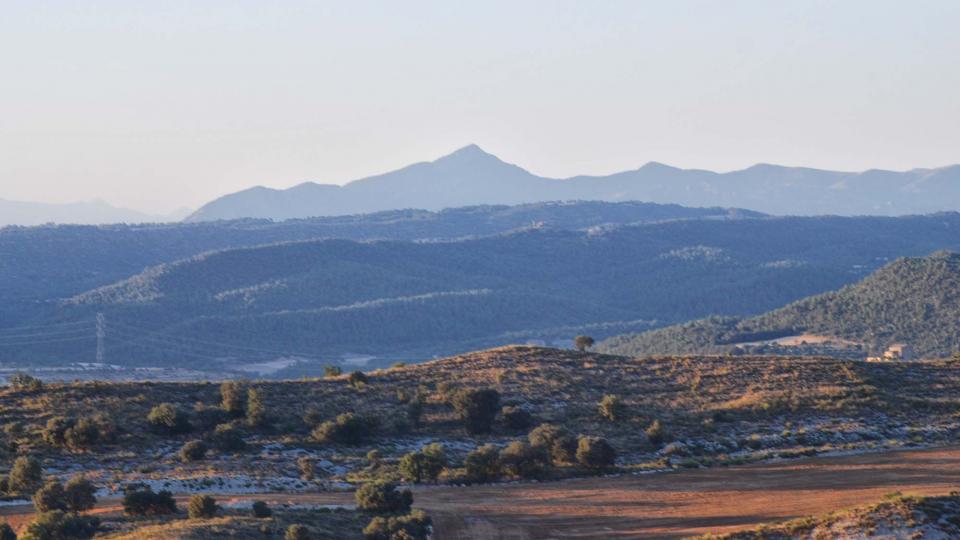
x=81, y=213
x=471, y=176
x=915, y=301
x=325, y=299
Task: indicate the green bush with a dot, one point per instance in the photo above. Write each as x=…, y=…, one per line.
x=483, y=464
x=312, y=417
x=193, y=451
x=559, y=444
x=24, y=381
x=26, y=476
x=80, y=493
x=256, y=409
x=7, y=532
x=357, y=379
x=425, y=464
x=84, y=434
x=383, y=497
x=50, y=497
x=144, y=502
x=655, y=433
x=307, y=466
x=55, y=431
x=582, y=343
x=595, y=453
x=523, y=460
x=58, y=525
x=348, y=428
x=227, y=438
x=231, y=398
x=414, y=411
x=414, y=526
x=477, y=409
x=611, y=407
x=167, y=418
x=261, y=510
x=517, y=418
x=202, y=507
x=297, y=532
x=332, y=371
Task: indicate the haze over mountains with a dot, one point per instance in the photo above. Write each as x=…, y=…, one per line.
x=80, y=213
x=471, y=176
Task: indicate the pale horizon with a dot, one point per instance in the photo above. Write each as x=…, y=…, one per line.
x=161, y=107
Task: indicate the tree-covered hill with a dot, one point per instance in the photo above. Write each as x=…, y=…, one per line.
x=911, y=300
x=322, y=299
x=38, y=264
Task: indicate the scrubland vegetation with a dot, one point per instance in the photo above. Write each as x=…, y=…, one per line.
x=514, y=413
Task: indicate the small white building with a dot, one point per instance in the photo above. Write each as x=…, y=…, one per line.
x=898, y=352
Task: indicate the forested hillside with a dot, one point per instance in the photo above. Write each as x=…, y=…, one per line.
x=38, y=264
x=326, y=298
x=911, y=300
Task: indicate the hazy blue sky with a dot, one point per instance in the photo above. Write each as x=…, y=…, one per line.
x=156, y=105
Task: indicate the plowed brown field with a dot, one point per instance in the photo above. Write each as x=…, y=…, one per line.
x=664, y=505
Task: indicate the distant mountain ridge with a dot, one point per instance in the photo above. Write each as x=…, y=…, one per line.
x=81, y=213
x=471, y=176
x=911, y=300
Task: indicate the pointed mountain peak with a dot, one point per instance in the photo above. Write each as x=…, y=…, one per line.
x=469, y=152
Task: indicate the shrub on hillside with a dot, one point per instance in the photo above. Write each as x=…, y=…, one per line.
x=595, y=453
x=207, y=418
x=260, y=510
x=232, y=398
x=80, y=494
x=7, y=532
x=55, y=431
x=383, y=497
x=227, y=438
x=414, y=411
x=559, y=444
x=297, y=532
x=655, y=433
x=85, y=433
x=477, y=409
x=612, y=408
x=332, y=371
x=425, y=464
x=521, y=460
x=483, y=464
x=58, y=525
x=50, y=497
x=256, y=409
x=167, y=418
x=26, y=476
x=582, y=343
x=193, y=451
x=517, y=418
x=26, y=382
x=348, y=428
x=414, y=526
x=357, y=379
x=202, y=507
x=144, y=502
x=307, y=467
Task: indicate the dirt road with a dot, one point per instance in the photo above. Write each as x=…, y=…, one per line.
x=666, y=505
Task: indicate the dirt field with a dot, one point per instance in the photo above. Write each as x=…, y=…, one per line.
x=667, y=505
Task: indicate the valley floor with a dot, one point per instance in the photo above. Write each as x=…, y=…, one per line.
x=657, y=505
